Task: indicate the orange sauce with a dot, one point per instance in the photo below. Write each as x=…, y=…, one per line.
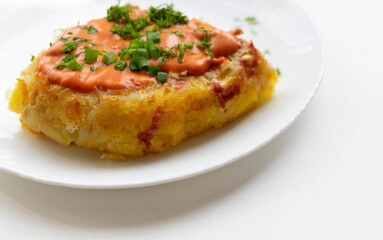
x=106, y=77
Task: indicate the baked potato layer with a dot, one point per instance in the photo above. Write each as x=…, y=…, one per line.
x=132, y=123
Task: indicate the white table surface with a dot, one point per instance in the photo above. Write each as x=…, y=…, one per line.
x=321, y=179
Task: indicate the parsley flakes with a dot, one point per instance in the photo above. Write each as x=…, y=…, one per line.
x=69, y=46
x=205, y=41
x=120, y=65
x=109, y=58
x=251, y=20
x=178, y=33
x=166, y=17
x=91, y=30
x=278, y=71
x=69, y=62
x=91, y=54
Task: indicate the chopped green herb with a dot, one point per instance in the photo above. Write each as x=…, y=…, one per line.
x=61, y=65
x=124, y=53
x=162, y=60
x=180, y=49
x=85, y=40
x=251, y=20
x=32, y=58
x=109, y=58
x=63, y=39
x=162, y=17
x=142, y=62
x=140, y=23
x=153, y=50
x=74, y=65
x=125, y=32
x=136, y=43
x=189, y=45
x=178, y=33
x=69, y=46
x=203, y=44
x=90, y=54
x=140, y=48
x=133, y=66
x=198, y=29
x=153, y=35
x=266, y=52
x=70, y=33
x=118, y=13
x=138, y=52
x=69, y=62
x=92, y=68
x=120, y=65
x=167, y=54
x=166, y=16
x=253, y=32
x=209, y=53
x=91, y=29
x=205, y=41
x=153, y=70
x=50, y=44
x=278, y=71
x=139, y=63
x=162, y=77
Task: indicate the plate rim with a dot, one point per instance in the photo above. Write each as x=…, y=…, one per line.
x=318, y=81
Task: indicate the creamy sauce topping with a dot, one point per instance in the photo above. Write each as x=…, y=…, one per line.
x=106, y=77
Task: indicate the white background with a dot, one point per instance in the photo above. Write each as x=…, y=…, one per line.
x=321, y=179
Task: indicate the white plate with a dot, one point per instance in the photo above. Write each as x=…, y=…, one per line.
x=284, y=29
